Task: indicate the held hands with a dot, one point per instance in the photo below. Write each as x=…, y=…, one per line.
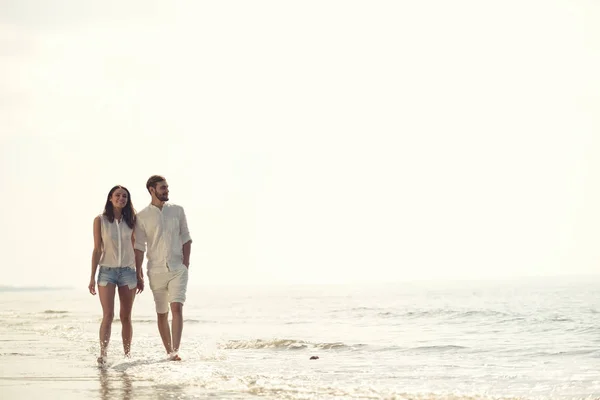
x=92, y=286
x=140, y=284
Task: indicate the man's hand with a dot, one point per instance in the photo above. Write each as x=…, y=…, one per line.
x=92, y=286
x=140, y=284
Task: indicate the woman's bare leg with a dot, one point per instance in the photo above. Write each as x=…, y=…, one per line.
x=107, y=300
x=126, y=297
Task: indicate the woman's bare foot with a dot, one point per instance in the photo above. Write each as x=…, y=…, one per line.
x=101, y=361
x=174, y=357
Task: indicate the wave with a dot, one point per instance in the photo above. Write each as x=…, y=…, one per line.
x=483, y=313
x=457, y=315
x=285, y=344
x=560, y=319
x=430, y=313
x=354, y=309
x=55, y=312
x=153, y=321
x=135, y=321
x=288, y=344
x=584, y=329
x=448, y=347
x=426, y=349
x=580, y=352
x=509, y=320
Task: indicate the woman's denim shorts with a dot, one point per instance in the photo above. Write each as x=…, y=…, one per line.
x=120, y=276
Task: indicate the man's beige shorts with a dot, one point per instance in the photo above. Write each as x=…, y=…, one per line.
x=168, y=286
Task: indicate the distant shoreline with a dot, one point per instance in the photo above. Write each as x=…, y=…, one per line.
x=31, y=288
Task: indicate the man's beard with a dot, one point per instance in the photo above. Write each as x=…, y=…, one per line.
x=162, y=197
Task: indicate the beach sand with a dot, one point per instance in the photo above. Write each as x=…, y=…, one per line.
x=39, y=372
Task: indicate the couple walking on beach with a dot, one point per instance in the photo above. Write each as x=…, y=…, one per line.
x=120, y=240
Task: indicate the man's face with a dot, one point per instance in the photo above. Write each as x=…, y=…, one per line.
x=161, y=191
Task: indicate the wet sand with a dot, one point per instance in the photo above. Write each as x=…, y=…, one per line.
x=36, y=371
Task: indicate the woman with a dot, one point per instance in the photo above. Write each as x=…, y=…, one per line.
x=113, y=251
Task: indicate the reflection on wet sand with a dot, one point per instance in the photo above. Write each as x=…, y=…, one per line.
x=115, y=386
x=117, y=383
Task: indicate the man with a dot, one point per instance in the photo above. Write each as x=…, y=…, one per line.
x=162, y=228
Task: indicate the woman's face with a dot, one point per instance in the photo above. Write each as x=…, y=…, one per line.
x=119, y=198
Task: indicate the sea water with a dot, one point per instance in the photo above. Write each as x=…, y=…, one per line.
x=528, y=339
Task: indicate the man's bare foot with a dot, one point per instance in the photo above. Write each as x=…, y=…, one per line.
x=102, y=361
x=174, y=357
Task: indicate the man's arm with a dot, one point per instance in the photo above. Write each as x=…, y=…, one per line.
x=187, y=249
x=139, y=260
x=139, y=248
x=186, y=239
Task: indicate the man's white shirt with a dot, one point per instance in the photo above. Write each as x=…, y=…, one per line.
x=162, y=234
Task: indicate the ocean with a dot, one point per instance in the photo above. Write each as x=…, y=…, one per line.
x=528, y=339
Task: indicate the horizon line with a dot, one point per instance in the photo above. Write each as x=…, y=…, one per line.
x=347, y=283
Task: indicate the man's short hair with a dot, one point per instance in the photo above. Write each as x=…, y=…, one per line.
x=153, y=180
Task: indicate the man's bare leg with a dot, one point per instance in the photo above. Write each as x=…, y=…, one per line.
x=107, y=300
x=165, y=332
x=126, y=297
x=177, y=328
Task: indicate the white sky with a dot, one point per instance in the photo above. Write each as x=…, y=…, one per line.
x=313, y=141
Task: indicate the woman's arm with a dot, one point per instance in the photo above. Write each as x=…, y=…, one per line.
x=96, y=254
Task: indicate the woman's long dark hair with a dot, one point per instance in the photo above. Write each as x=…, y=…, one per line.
x=128, y=210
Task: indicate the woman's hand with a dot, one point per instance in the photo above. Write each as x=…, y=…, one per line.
x=92, y=286
x=140, y=284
